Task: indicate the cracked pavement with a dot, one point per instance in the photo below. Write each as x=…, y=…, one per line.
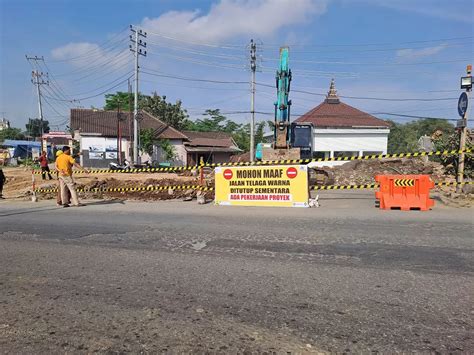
x=114, y=277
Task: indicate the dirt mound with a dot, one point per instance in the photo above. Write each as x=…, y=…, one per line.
x=359, y=172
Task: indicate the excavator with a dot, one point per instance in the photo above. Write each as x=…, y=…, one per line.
x=290, y=140
x=281, y=148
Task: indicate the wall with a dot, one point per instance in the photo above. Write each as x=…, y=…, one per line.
x=222, y=157
x=351, y=140
x=99, y=152
x=181, y=154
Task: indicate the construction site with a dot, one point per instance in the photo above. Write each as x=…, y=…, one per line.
x=236, y=177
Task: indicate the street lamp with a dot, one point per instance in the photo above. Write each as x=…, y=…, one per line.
x=466, y=82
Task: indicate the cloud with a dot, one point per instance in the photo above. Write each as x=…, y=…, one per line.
x=228, y=19
x=460, y=11
x=410, y=53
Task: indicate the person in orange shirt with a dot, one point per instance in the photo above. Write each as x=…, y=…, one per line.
x=64, y=164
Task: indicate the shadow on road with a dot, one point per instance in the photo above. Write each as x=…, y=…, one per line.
x=105, y=202
x=36, y=210
x=30, y=210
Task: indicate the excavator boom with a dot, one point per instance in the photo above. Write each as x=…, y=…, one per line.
x=283, y=104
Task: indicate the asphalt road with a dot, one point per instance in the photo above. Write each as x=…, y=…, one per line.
x=116, y=277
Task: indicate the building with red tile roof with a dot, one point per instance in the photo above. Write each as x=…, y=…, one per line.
x=342, y=130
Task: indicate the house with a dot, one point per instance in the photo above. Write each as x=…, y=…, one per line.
x=56, y=140
x=340, y=130
x=213, y=147
x=97, y=132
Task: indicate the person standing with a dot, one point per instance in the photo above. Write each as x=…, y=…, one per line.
x=59, y=201
x=2, y=180
x=43, y=160
x=64, y=164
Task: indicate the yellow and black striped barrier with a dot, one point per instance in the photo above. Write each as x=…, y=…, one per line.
x=131, y=170
x=271, y=162
x=204, y=188
x=345, y=187
x=135, y=188
x=366, y=157
x=375, y=185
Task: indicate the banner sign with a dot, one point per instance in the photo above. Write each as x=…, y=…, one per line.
x=285, y=186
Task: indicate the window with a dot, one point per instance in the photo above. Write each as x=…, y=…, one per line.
x=321, y=155
x=301, y=136
x=371, y=153
x=345, y=154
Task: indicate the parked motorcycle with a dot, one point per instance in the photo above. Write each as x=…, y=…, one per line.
x=121, y=167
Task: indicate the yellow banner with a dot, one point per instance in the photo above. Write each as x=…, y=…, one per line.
x=285, y=186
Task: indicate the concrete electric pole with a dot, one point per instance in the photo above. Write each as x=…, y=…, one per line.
x=466, y=83
x=253, y=68
x=135, y=48
x=37, y=79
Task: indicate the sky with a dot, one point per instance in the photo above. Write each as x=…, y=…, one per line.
x=399, y=57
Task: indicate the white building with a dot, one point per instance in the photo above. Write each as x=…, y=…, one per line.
x=4, y=124
x=341, y=130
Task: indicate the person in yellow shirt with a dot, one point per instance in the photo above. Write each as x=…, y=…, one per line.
x=64, y=164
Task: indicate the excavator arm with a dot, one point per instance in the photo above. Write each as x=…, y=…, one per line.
x=283, y=104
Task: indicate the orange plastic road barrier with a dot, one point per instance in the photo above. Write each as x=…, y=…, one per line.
x=404, y=192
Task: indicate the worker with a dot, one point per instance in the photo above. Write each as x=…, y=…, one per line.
x=4, y=157
x=64, y=164
x=59, y=201
x=2, y=180
x=43, y=160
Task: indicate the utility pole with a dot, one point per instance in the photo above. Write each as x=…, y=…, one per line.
x=135, y=38
x=462, y=142
x=37, y=79
x=119, y=135
x=253, y=68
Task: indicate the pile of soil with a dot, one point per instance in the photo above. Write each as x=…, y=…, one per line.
x=360, y=172
x=108, y=183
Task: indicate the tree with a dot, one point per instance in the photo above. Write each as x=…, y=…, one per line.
x=11, y=133
x=242, y=137
x=125, y=99
x=404, y=137
x=259, y=131
x=167, y=149
x=171, y=114
x=213, y=121
x=147, y=140
x=33, y=127
x=450, y=141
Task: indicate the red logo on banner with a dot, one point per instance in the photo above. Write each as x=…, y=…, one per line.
x=228, y=174
x=291, y=173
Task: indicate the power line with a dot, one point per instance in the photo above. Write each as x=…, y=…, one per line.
x=369, y=98
x=379, y=44
x=371, y=64
x=193, y=51
x=111, y=66
x=376, y=50
x=103, y=92
x=192, y=79
x=102, y=86
x=200, y=62
x=104, y=60
x=100, y=46
x=204, y=44
x=220, y=88
x=414, y=116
